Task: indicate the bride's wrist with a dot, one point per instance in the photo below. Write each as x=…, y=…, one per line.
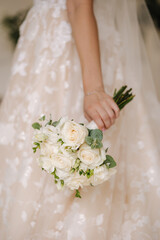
x=92, y=82
x=92, y=91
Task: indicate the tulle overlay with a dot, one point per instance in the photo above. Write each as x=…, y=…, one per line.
x=46, y=78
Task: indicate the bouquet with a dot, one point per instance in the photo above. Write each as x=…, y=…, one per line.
x=74, y=153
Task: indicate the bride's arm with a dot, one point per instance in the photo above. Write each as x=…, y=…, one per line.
x=97, y=106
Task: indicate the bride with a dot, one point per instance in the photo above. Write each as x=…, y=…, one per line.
x=70, y=57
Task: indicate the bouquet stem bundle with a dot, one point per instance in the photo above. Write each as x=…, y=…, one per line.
x=123, y=96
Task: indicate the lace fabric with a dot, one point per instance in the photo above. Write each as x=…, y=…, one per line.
x=46, y=78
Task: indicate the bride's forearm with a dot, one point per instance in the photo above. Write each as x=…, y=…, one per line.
x=85, y=33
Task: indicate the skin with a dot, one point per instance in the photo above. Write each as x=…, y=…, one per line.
x=98, y=105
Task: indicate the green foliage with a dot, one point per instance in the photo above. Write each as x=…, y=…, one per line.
x=42, y=118
x=56, y=123
x=154, y=8
x=72, y=170
x=96, y=134
x=122, y=97
x=55, y=175
x=89, y=173
x=37, y=145
x=12, y=24
x=51, y=123
x=77, y=164
x=36, y=125
x=78, y=195
x=62, y=182
x=82, y=172
x=95, y=138
x=109, y=162
x=61, y=141
x=89, y=140
x=81, y=124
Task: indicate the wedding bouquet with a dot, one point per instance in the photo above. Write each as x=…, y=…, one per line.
x=72, y=152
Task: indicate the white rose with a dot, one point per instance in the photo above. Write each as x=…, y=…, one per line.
x=52, y=133
x=48, y=149
x=62, y=174
x=101, y=174
x=46, y=163
x=75, y=181
x=68, y=151
x=73, y=134
x=62, y=162
x=40, y=136
x=91, y=157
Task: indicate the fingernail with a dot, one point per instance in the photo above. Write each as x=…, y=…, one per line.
x=103, y=129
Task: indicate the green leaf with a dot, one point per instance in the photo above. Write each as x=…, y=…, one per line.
x=81, y=124
x=78, y=195
x=49, y=122
x=37, y=144
x=106, y=150
x=77, y=164
x=34, y=149
x=82, y=172
x=72, y=170
x=96, y=144
x=55, y=176
x=89, y=140
x=42, y=118
x=36, y=125
x=62, y=182
x=61, y=141
x=56, y=123
x=96, y=134
x=89, y=173
x=110, y=161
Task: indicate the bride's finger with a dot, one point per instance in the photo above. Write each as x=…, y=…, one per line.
x=109, y=111
x=105, y=117
x=97, y=118
x=114, y=106
x=87, y=117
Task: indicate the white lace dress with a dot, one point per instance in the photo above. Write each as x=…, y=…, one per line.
x=46, y=78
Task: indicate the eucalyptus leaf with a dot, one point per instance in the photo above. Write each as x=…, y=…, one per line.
x=36, y=125
x=89, y=140
x=56, y=123
x=110, y=161
x=96, y=144
x=96, y=134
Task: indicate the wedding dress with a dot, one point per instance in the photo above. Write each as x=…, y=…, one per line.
x=46, y=78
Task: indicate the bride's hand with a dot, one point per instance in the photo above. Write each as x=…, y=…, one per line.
x=101, y=108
